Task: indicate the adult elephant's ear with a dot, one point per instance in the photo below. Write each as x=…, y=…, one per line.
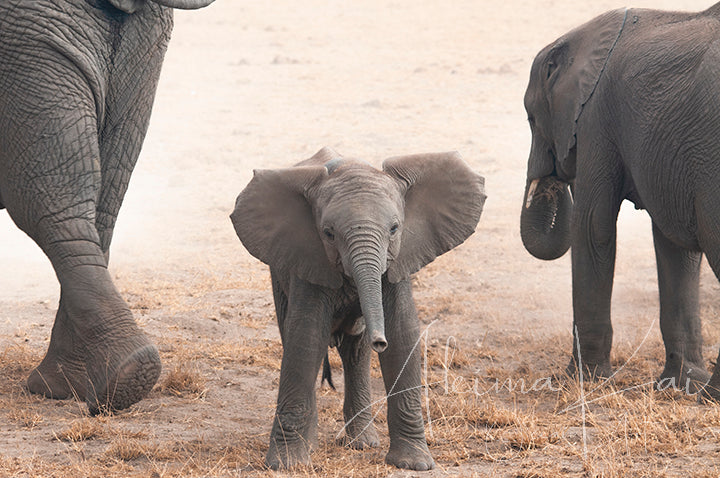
x=274, y=220
x=571, y=70
x=443, y=202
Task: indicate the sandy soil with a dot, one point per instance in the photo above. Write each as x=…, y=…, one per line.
x=265, y=84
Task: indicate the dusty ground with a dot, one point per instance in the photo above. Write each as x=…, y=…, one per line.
x=264, y=84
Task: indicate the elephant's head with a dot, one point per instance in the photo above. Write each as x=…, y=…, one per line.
x=131, y=6
x=342, y=218
x=563, y=78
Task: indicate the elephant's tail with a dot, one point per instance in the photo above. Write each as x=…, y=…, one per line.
x=327, y=372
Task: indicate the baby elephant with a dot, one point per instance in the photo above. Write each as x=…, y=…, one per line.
x=342, y=239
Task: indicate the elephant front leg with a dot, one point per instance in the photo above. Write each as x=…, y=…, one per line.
x=360, y=432
x=678, y=282
x=400, y=364
x=593, y=266
x=305, y=332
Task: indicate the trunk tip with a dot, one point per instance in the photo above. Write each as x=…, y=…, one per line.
x=379, y=344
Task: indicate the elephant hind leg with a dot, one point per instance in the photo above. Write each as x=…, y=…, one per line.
x=61, y=374
x=678, y=283
x=96, y=350
x=52, y=185
x=709, y=238
x=121, y=365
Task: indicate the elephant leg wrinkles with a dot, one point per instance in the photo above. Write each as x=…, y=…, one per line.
x=355, y=352
x=61, y=374
x=709, y=224
x=678, y=283
x=593, y=265
x=95, y=327
x=125, y=123
x=304, y=318
x=64, y=181
x=121, y=363
x=400, y=364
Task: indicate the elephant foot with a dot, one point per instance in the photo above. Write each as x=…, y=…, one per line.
x=61, y=374
x=294, y=435
x=711, y=391
x=367, y=437
x=591, y=371
x=122, y=375
x=59, y=378
x=287, y=455
x=682, y=375
x=411, y=455
x=709, y=394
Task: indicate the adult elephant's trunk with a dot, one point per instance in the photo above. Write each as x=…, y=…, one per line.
x=184, y=4
x=545, y=218
x=367, y=265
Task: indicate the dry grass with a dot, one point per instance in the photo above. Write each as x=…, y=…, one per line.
x=488, y=413
x=25, y=418
x=183, y=381
x=84, y=429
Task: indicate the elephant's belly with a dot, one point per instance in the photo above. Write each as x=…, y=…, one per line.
x=674, y=213
x=680, y=232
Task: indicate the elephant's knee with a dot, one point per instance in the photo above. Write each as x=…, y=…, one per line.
x=294, y=419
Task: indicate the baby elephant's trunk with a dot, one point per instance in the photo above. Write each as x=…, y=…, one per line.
x=367, y=272
x=370, y=291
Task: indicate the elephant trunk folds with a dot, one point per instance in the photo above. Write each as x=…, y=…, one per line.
x=367, y=268
x=545, y=218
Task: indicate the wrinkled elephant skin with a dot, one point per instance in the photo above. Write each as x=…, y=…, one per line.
x=342, y=239
x=627, y=106
x=78, y=80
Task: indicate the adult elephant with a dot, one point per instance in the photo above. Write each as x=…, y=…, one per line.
x=77, y=81
x=627, y=106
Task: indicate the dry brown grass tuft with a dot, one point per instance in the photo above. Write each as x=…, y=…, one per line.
x=255, y=353
x=127, y=448
x=184, y=381
x=84, y=429
x=16, y=363
x=27, y=418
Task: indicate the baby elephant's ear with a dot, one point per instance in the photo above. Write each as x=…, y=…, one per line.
x=275, y=223
x=443, y=202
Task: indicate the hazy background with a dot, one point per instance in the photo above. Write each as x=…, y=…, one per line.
x=268, y=85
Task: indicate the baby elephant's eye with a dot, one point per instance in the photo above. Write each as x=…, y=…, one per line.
x=394, y=229
x=329, y=234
